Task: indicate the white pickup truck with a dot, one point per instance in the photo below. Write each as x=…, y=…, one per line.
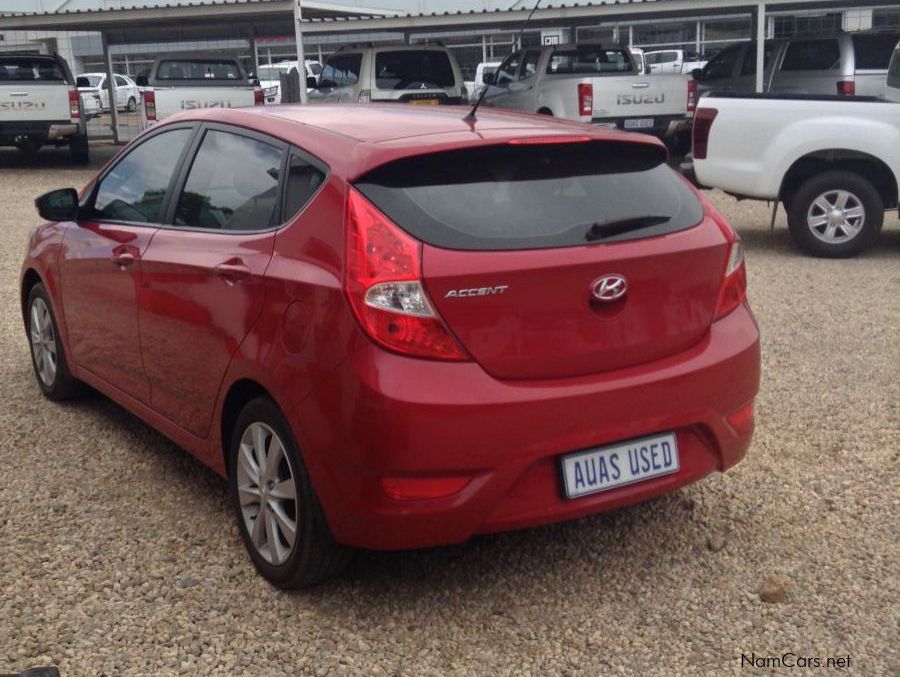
x=833, y=161
x=177, y=83
x=40, y=105
x=593, y=83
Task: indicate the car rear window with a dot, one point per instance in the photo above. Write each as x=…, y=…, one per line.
x=531, y=196
x=873, y=52
x=589, y=60
x=410, y=69
x=206, y=69
x=811, y=55
x=31, y=69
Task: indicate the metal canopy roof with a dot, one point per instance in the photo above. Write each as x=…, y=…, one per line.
x=214, y=19
x=556, y=16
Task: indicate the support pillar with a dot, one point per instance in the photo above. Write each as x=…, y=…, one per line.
x=110, y=88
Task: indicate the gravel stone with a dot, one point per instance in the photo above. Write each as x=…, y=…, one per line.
x=94, y=588
x=774, y=589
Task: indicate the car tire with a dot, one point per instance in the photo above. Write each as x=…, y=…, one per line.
x=131, y=106
x=835, y=214
x=78, y=149
x=280, y=486
x=51, y=368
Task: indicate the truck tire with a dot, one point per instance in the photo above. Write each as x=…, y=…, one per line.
x=835, y=214
x=78, y=149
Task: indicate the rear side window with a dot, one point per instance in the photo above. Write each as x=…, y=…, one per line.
x=532, y=196
x=894, y=73
x=873, y=52
x=410, y=69
x=135, y=188
x=721, y=66
x=303, y=181
x=588, y=60
x=811, y=55
x=341, y=70
x=30, y=69
x=222, y=194
x=205, y=69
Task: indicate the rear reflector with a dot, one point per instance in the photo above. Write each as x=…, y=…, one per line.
x=692, y=95
x=419, y=488
x=742, y=420
x=585, y=98
x=542, y=140
x=383, y=283
x=259, y=97
x=703, y=121
x=150, y=105
x=846, y=88
x=74, y=105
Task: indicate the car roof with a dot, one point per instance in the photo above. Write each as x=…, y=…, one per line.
x=355, y=138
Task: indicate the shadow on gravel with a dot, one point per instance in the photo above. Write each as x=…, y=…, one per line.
x=55, y=158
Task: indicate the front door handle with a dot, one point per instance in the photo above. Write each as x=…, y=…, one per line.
x=233, y=270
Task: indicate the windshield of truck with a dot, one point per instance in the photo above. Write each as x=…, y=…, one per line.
x=589, y=60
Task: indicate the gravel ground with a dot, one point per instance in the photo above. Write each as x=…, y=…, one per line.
x=119, y=555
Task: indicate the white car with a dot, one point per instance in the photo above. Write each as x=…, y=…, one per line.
x=672, y=61
x=833, y=161
x=269, y=77
x=593, y=83
x=127, y=94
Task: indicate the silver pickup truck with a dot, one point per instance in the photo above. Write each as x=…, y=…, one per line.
x=40, y=105
x=595, y=83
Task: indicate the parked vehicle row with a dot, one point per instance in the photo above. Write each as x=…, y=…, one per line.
x=672, y=61
x=128, y=94
x=40, y=105
x=832, y=161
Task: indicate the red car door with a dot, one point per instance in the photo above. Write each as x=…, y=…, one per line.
x=203, y=285
x=100, y=263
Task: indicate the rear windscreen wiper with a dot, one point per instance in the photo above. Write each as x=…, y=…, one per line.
x=599, y=231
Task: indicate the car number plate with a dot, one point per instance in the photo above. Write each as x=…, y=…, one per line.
x=639, y=123
x=604, y=468
x=424, y=102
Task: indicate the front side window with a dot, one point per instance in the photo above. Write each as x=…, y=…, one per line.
x=811, y=55
x=508, y=69
x=224, y=194
x=589, y=60
x=409, y=69
x=749, y=65
x=120, y=81
x=873, y=52
x=341, y=70
x=530, y=64
x=134, y=190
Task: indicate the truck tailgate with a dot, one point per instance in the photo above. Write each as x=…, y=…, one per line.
x=28, y=102
x=640, y=96
x=171, y=100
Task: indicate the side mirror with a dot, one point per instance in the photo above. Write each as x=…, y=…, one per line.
x=311, y=83
x=58, y=205
x=489, y=78
x=697, y=73
x=142, y=81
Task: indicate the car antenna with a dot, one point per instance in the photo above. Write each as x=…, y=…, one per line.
x=470, y=117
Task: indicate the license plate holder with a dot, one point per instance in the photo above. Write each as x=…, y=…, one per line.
x=638, y=123
x=617, y=465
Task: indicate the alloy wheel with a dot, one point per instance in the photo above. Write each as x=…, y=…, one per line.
x=268, y=493
x=43, y=342
x=836, y=216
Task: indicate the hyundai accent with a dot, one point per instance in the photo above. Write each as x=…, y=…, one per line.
x=391, y=327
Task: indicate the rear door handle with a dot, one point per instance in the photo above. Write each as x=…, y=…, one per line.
x=233, y=271
x=123, y=258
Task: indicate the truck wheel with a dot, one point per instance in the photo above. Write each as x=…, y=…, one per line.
x=545, y=111
x=132, y=105
x=835, y=214
x=78, y=149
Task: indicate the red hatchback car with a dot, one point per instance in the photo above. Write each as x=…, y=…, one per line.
x=391, y=328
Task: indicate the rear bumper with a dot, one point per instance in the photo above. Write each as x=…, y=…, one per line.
x=381, y=415
x=40, y=131
x=663, y=125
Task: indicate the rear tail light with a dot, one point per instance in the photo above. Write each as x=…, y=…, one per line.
x=585, y=98
x=384, y=285
x=846, y=88
x=150, y=106
x=74, y=105
x=703, y=121
x=692, y=95
x=733, y=291
x=259, y=97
